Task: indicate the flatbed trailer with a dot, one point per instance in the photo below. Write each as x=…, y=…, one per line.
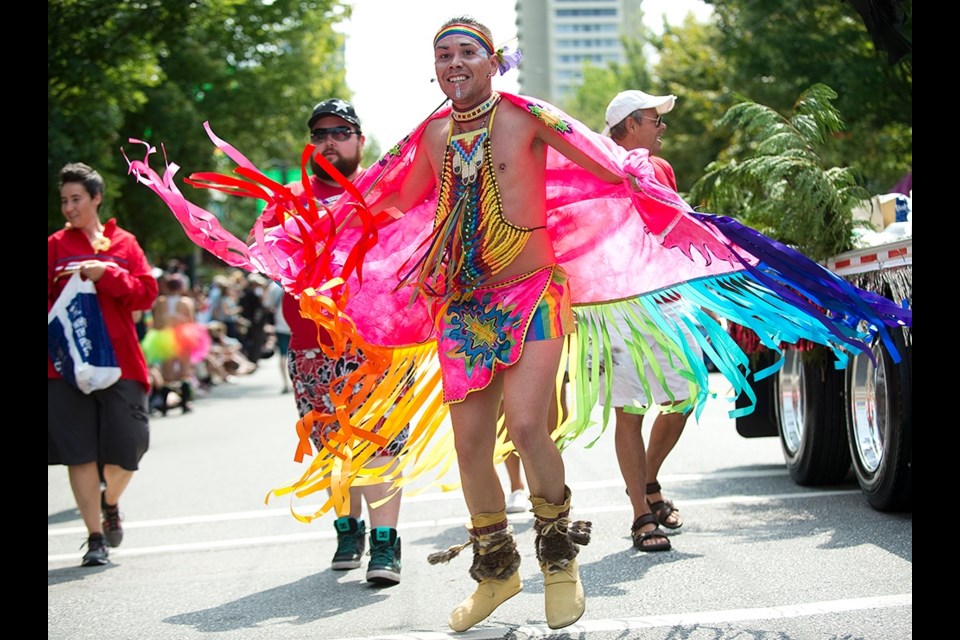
x=830, y=419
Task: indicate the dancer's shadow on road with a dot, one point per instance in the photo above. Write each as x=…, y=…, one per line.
x=285, y=604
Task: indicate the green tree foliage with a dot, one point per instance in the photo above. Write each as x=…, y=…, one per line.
x=775, y=50
x=692, y=139
x=774, y=179
x=769, y=51
x=588, y=103
x=156, y=70
x=688, y=67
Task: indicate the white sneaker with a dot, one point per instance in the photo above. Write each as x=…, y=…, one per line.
x=517, y=501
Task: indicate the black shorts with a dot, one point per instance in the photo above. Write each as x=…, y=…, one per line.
x=283, y=343
x=108, y=427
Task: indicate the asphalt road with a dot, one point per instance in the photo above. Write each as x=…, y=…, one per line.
x=204, y=557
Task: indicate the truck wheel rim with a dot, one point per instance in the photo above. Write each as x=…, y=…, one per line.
x=868, y=385
x=791, y=401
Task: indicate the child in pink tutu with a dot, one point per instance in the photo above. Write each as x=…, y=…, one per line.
x=176, y=342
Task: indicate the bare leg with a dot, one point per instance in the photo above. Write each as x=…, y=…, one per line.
x=512, y=465
x=495, y=556
x=117, y=479
x=85, y=482
x=664, y=435
x=388, y=513
x=512, y=461
x=185, y=367
x=170, y=370
x=528, y=393
x=558, y=413
x=383, y=507
x=284, y=376
x=356, y=501
x=628, y=439
x=526, y=390
x=474, y=423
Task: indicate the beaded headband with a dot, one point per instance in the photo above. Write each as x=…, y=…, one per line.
x=461, y=29
x=506, y=58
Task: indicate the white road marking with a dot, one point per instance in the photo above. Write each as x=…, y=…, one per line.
x=403, y=526
x=671, y=620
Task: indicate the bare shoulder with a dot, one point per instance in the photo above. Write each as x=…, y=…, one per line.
x=434, y=140
x=514, y=115
x=436, y=132
x=515, y=124
x=186, y=305
x=159, y=312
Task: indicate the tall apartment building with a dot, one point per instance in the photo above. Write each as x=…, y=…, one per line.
x=558, y=36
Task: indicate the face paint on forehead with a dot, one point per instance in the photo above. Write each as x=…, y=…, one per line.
x=465, y=42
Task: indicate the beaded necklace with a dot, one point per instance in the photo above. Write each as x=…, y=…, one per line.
x=477, y=111
x=468, y=154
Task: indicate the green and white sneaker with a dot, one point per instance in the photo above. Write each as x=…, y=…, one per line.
x=351, y=541
x=384, y=566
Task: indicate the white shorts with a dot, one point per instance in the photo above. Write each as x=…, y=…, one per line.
x=626, y=388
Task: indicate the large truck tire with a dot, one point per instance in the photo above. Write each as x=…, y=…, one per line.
x=810, y=405
x=879, y=425
x=762, y=421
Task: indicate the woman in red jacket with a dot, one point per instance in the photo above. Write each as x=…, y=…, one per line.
x=103, y=434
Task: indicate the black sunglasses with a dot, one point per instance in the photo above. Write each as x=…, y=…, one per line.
x=658, y=120
x=340, y=134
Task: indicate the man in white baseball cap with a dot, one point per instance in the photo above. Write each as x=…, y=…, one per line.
x=627, y=102
x=635, y=121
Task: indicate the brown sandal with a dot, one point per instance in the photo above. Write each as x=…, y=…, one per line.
x=639, y=537
x=663, y=508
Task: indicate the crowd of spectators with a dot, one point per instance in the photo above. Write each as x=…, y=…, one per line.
x=231, y=306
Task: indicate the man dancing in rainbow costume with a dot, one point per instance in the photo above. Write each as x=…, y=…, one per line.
x=466, y=251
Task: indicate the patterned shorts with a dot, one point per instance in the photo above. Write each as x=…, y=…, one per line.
x=484, y=332
x=311, y=372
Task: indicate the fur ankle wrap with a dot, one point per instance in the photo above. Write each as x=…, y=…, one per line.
x=558, y=541
x=495, y=555
x=557, y=536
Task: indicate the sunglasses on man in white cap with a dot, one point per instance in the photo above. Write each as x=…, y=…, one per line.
x=626, y=102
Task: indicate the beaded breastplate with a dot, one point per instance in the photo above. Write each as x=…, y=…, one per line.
x=478, y=241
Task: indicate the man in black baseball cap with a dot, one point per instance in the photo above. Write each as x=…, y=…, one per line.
x=335, y=130
x=335, y=107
